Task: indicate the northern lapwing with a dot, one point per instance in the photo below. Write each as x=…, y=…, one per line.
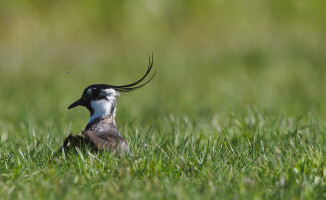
x=101, y=132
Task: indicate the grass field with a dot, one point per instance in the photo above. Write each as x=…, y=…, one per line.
x=236, y=111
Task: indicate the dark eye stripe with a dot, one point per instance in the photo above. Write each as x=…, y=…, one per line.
x=101, y=97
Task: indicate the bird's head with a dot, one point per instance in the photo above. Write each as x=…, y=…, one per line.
x=101, y=99
x=98, y=99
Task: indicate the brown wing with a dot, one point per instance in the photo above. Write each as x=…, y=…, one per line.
x=107, y=140
x=73, y=141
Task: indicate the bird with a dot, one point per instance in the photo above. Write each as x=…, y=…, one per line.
x=101, y=132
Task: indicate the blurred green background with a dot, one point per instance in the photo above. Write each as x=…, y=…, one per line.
x=212, y=58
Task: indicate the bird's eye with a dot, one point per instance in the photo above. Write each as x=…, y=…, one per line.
x=95, y=93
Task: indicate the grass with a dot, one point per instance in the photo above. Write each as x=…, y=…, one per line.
x=236, y=110
x=246, y=155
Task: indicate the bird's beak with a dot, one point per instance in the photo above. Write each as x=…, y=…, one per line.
x=79, y=102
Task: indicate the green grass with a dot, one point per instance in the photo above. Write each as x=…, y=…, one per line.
x=246, y=155
x=236, y=111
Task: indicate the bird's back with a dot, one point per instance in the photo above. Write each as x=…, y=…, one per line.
x=100, y=134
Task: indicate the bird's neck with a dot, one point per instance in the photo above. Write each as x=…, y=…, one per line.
x=103, y=110
x=101, y=124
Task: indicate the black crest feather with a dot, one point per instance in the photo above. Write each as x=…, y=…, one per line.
x=132, y=86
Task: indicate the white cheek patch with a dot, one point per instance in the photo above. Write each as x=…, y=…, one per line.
x=101, y=106
x=104, y=107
